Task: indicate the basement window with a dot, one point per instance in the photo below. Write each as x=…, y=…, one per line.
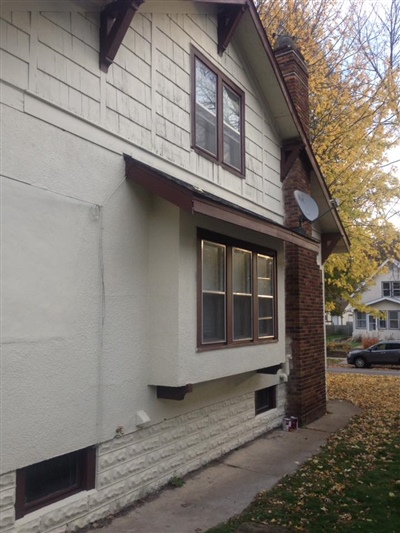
x=265, y=399
x=52, y=480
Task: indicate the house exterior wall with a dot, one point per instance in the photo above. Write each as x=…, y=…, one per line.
x=143, y=99
x=99, y=276
x=373, y=292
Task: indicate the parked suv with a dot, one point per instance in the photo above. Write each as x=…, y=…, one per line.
x=382, y=353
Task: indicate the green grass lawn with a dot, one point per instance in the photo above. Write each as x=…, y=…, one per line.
x=354, y=483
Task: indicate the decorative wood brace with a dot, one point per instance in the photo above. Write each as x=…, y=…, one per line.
x=329, y=241
x=289, y=154
x=173, y=393
x=115, y=20
x=228, y=20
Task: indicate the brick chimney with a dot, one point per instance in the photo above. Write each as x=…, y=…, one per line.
x=303, y=274
x=295, y=73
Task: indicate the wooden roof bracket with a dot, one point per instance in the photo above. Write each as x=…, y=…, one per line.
x=328, y=243
x=290, y=152
x=228, y=20
x=173, y=393
x=115, y=20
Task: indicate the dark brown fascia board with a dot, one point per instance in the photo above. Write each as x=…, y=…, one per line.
x=115, y=20
x=194, y=200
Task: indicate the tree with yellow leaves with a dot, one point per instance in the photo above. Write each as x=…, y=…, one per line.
x=352, y=49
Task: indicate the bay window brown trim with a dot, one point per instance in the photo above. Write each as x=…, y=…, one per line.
x=194, y=200
x=256, y=251
x=222, y=80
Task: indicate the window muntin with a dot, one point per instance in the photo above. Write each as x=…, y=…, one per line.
x=52, y=480
x=237, y=293
x=218, y=122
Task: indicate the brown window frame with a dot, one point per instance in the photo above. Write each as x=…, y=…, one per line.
x=229, y=342
x=264, y=400
x=222, y=81
x=85, y=475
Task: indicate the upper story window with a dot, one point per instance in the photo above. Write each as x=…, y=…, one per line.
x=391, y=288
x=237, y=302
x=218, y=115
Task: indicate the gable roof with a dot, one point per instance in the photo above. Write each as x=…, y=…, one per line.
x=378, y=270
x=248, y=32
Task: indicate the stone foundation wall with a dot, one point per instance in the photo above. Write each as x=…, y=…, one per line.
x=134, y=465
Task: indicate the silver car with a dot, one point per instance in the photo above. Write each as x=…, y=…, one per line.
x=382, y=353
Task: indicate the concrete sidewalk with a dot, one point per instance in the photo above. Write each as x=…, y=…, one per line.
x=226, y=487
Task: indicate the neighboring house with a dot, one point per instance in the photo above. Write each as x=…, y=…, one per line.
x=160, y=305
x=381, y=293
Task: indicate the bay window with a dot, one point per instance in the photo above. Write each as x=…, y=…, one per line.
x=236, y=293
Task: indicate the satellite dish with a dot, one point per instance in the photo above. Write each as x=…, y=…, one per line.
x=307, y=205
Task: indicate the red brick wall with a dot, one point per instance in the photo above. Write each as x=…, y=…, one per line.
x=303, y=276
x=305, y=328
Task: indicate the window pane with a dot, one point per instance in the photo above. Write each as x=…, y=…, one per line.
x=51, y=476
x=393, y=320
x=213, y=317
x=265, y=307
x=265, y=317
x=361, y=320
x=264, y=269
x=231, y=120
x=396, y=288
x=385, y=288
x=242, y=317
x=266, y=327
x=241, y=271
x=213, y=267
x=206, y=108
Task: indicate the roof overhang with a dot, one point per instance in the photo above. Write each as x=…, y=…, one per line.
x=384, y=299
x=197, y=201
